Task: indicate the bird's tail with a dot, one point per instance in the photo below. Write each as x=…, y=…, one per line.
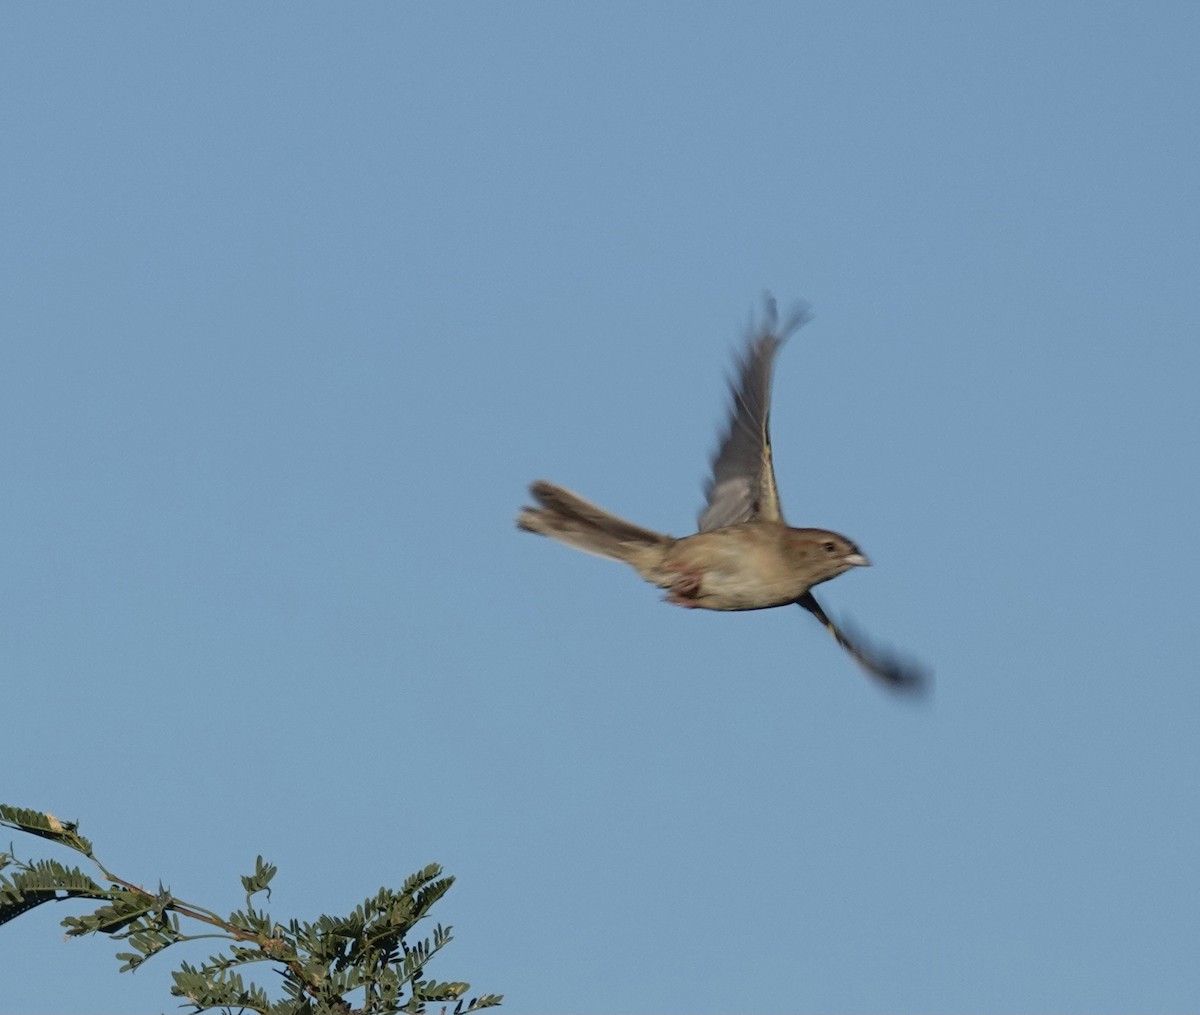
x=572, y=520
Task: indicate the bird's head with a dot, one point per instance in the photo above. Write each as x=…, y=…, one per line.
x=823, y=554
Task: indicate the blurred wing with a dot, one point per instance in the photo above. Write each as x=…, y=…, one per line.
x=742, y=485
x=896, y=674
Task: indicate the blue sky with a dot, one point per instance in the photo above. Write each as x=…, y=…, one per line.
x=297, y=299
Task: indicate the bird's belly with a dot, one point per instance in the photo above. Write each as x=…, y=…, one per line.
x=729, y=573
x=738, y=590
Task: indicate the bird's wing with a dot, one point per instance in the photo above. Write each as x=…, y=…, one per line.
x=893, y=672
x=742, y=485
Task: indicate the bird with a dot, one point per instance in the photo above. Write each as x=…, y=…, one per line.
x=744, y=555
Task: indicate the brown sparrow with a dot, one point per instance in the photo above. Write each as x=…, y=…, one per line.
x=744, y=556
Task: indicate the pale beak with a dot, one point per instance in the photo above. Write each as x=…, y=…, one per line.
x=856, y=560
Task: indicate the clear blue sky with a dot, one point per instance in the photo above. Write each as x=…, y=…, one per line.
x=296, y=300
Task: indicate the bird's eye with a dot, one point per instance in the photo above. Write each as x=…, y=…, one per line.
x=830, y=548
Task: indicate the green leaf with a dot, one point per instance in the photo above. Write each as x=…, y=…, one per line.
x=40, y=882
x=205, y=990
x=431, y=990
x=259, y=880
x=45, y=825
x=334, y=965
x=124, y=909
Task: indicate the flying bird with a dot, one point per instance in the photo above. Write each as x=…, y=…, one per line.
x=745, y=556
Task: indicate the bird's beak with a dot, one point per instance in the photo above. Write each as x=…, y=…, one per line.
x=856, y=560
